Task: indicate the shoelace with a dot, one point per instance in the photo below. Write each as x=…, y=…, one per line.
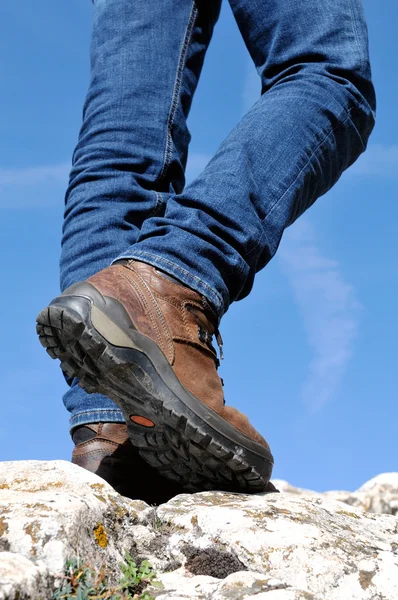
x=217, y=333
x=209, y=338
x=220, y=343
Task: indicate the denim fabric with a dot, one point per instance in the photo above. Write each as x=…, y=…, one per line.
x=126, y=196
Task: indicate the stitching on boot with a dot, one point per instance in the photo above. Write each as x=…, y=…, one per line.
x=166, y=332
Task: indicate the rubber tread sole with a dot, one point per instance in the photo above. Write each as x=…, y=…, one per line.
x=181, y=446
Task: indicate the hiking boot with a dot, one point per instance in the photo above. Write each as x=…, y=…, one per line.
x=144, y=340
x=105, y=449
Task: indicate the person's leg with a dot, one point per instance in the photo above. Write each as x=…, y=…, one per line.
x=312, y=121
x=146, y=59
x=130, y=331
x=146, y=339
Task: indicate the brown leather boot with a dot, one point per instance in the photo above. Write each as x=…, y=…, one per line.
x=105, y=449
x=145, y=341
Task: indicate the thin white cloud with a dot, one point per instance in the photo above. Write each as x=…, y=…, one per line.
x=329, y=310
x=31, y=187
x=33, y=175
x=379, y=160
x=44, y=186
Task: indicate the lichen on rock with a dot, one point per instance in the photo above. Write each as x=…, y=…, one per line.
x=296, y=545
x=100, y=535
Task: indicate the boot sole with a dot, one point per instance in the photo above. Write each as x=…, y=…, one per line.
x=174, y=432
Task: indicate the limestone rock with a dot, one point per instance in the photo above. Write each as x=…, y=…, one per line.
x=379, y=495
x=317, y=548
x=296, y=545
x=21, y=578
x=51, y=511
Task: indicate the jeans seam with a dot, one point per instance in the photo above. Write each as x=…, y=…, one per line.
x=96, y=415
x=158, y=204
x=308, y=162
x=355, y=127
x=172, y=264
x=176, y=91
x=97, y=410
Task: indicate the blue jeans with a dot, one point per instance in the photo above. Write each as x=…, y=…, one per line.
x=126, y=196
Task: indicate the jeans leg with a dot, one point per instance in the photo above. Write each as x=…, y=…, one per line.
x=312, y=121
x=146, y=59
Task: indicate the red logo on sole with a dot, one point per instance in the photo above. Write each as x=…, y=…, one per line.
x=142, y=421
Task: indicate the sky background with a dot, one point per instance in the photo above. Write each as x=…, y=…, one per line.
x=311, y=355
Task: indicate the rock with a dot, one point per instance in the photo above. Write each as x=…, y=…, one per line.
x=51, y=511
x=237, y=586
x=287, y=488
x=296, y=545
x=313, y=546
x=379, y=495
x=21, y=578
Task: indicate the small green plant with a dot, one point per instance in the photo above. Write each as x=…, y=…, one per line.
x=81, y=582
x=135, y=579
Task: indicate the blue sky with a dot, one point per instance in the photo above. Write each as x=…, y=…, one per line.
x=311, y=355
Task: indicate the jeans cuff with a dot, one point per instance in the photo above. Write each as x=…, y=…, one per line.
x=96, y=416
x=179, y=272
